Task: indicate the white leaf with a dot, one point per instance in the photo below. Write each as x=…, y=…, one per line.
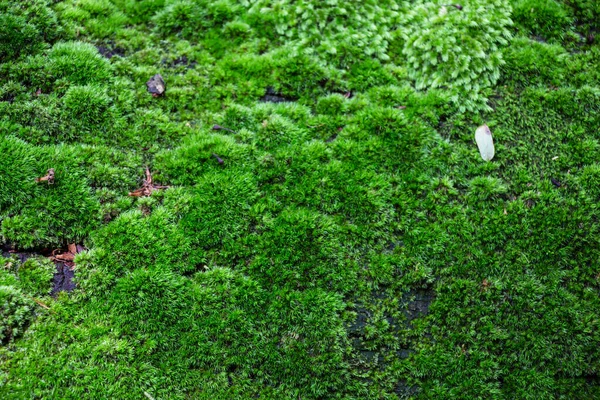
x=483, y=137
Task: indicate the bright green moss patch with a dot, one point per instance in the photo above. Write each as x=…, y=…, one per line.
x=322, y=225
x=35, y=276
x=43, y=214
x=26, y=28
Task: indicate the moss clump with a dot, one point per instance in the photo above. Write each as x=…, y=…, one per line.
x=42, y=214
x=35, y=276
x=457, y=49
x=16, y=311
x=133, y=240
x=88, y=105
x=26, y=28
x=78, y=63
x=338, y=32
x=546, y=19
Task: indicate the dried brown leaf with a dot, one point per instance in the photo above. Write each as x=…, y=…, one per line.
x=64, y=257
x=147, y=188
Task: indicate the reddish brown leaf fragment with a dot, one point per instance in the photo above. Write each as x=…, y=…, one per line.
x=68, y=256
x=147, y=188
x=64, y=257
x=141, y=192
x=485, y=285
x=148, y=177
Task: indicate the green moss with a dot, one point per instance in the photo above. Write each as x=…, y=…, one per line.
x=38, y=214
x=456, y=49
x=365, y=34
x=547, y=19
x=16, y=311
x=348, y=242
x=26, y=28
x=35, y=276
x=132, y=240
x=87, y=104
x=219, y=211
x=78, y=63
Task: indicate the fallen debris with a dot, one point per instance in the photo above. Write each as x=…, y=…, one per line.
x=39, y=303
x=271, y=96
x=68, y=256
x=457, y=6
x=64, y=257
x=65, y=266
x=555, y=182
x=148, y=395
x=219, y=159
x=485, y=142
x=49, y=177
x=156, y=85
x=219, y=127
x=147, y=188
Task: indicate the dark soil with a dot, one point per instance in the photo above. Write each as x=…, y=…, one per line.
x=63, y=279
x=110, y=52
x=271, y=96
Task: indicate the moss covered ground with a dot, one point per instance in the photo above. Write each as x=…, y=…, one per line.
x=329, y=229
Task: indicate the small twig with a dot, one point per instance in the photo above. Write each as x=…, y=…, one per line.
x=40, y=303
x=219, y=127
x=148, y=177
x=219, y=159
x=49, y=177
x=148, y=395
